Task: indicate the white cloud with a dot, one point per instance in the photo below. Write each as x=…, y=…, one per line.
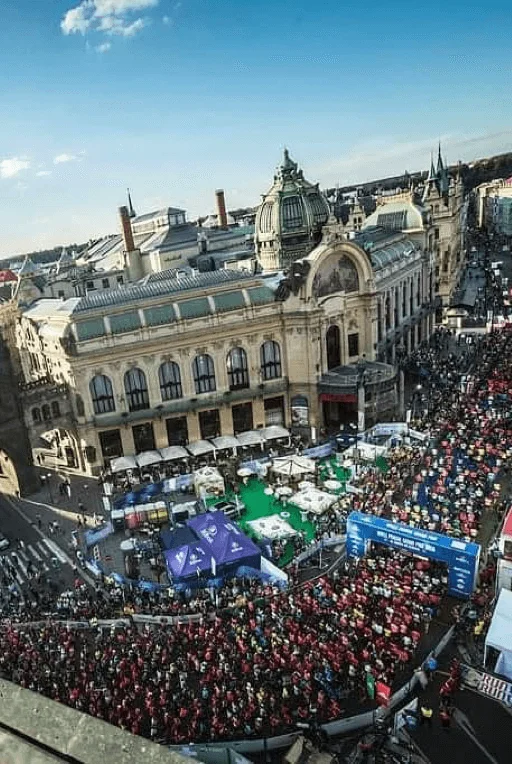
x=166, y=20
x=10, y=168
x=64, y=158
x=103, y=48
x=113, y=17
x=113, y=25
x=43, y=173
x=78, y=19
x=121, y=7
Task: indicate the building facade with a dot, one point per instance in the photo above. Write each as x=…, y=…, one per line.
x=494, y=202
x=182, y=358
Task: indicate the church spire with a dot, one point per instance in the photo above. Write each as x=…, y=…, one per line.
x=131, y=211
x=440, y=166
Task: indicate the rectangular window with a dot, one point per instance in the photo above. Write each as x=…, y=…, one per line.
x=89, y=285
x=177, y=431
x=105, y=283
x=353, y=343
x=111, y=444
x=209, y=423
x=120, y=280
x=274, y=411
x=242, y=417
x=143, y=437
x=60, y=293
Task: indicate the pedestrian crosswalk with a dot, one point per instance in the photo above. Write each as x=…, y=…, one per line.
x=27, y=561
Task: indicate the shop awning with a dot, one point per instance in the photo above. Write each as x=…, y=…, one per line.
x=251, y=438
x=171, y=453
x=147, y=458
x=200, y=447
x=123, y=463
x=274, y=432
x=225, y=442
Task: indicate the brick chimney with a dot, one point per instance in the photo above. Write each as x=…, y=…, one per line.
x=126, y=229
x=222, y=218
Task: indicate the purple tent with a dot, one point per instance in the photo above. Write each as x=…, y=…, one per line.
x=189, y=560
x=229, y=547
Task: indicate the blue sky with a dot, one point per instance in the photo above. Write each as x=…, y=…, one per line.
x=175, y=99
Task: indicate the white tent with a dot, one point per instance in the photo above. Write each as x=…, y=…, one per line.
x=226, y=442
x=123, y=463
x=293, y=466
x=171, y=453
x=250, y=438
x=313, y=500
x=200, y=447
x=208, y=482
x=275, y=432
x=147, y=458
x=499, y=635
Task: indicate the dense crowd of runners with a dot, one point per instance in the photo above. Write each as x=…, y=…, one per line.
x=258, y=660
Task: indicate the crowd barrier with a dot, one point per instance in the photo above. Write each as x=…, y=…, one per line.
x=339, y=726
x=323, y=544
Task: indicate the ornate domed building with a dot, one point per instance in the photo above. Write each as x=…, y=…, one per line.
x=290, y=218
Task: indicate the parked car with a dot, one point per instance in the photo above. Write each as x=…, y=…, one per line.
x=4, y=542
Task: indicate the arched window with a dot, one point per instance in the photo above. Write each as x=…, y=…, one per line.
x=36, y=416
x=270, y=360
x=333, y=342
x=102, y=394
x=170, y=381
x=136, y=389
x=204, y=374
x=55, y=409
x=238, y=373
x=46, y=412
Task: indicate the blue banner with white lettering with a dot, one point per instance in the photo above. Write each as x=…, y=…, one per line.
x=461, y=557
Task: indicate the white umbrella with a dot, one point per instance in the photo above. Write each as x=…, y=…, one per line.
x=244, y=472
x=284, y=491
x=293, y=466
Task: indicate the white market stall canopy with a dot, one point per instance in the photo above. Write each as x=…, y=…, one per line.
x=313, y=500
x=251, y=438
x=200, y=447
x=123, y=463
x=499, y=635
x=225, y=442
x=171, y=453
x=275, y=432
x=293, y=466
x=147, y=458
x=272, y=527
x=367, y=451
x=208, y=482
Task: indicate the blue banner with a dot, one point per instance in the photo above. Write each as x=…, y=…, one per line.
x=461, y=557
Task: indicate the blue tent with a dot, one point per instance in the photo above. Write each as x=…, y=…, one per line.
x=178, y=537
x=189, y=560
x=229, y=547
